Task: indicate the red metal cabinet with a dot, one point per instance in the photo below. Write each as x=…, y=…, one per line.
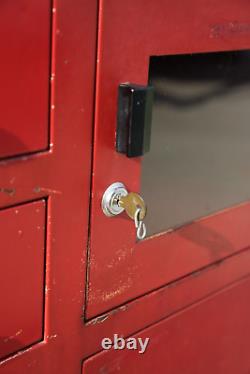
x=96, y=280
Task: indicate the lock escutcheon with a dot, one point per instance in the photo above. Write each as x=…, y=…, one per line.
x=110, y=199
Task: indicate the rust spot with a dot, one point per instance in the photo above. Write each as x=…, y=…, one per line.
x=8, y=191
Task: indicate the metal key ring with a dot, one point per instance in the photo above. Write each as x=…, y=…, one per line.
x=141, y=231
x=137, y=217
x=140, y=225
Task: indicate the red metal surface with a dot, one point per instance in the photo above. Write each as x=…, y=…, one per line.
x=121, y=270
x=212, y=343
x=22, y=231
x=24, y=75
x=63, y=175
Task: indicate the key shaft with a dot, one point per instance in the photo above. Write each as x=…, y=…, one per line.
x=131, y=202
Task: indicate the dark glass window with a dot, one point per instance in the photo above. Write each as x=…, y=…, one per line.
x=199, y=161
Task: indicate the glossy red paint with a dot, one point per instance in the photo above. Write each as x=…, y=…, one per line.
x=62, y=175
x=210, y=344
x=25, y=75
x=22, y=276
x=120, y=268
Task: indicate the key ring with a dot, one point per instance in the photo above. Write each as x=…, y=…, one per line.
x=140, y=225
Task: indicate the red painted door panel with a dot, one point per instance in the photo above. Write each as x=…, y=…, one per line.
x=209, y=337
x=121, y=269
x=61, y=177
x=24, y=75
x=22, y=232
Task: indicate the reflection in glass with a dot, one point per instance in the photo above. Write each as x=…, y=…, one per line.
x=199, y=160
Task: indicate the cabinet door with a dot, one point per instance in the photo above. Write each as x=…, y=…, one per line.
x=195, y=178
x=200, y=339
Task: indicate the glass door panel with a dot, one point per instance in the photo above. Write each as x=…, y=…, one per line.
x=199, y=161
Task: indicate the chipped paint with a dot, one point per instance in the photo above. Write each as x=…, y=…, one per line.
x=99, y=319
x=47, y=289
x=8, y=191
x=102, y=318
x=47, y=190
x=108, y=295
x=229, y=29
x=50, y=337
x=13, y=336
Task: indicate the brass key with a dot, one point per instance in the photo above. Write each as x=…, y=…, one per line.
x=135, y=208
x=131, y=203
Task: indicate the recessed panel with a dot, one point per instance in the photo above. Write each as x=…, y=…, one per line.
x=24, y=75
x=22, y=252
x=199, y=159
x=209, y=337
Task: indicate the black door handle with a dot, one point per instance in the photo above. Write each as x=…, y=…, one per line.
x=134, y=119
